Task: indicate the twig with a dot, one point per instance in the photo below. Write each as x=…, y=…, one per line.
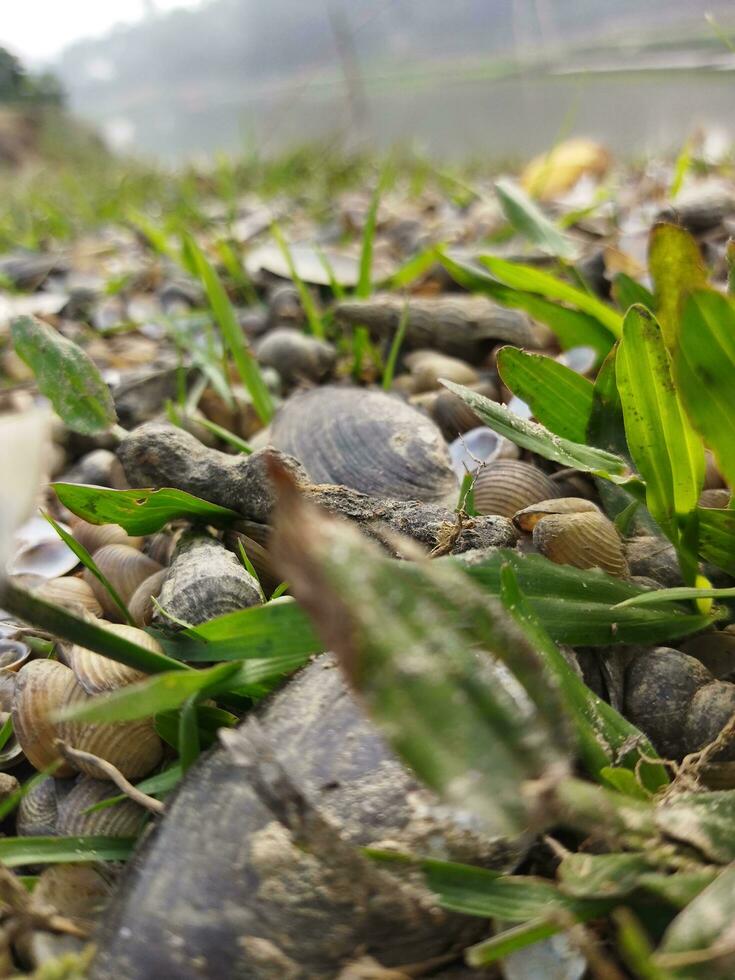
x=106, y=770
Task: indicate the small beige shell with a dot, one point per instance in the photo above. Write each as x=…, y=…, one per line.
x=141, y=606
x=13, y=654
x=508, y=485
x=584, y=540
x=528, y=518
x=160, y=547
x=96, y=673
x=123, y=819
x=427, y=366
x=43, y=687
x=125, y=568
x=70, y=592
x=77, y=891
x=96, y=536
x=717, y=497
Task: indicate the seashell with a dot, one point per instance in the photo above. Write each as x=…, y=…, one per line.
x=8, y=785
x=100, y=468
x=7, y=689
x=11, y=753
x=42, y=687
x=480, y=445
x=95, y=536
x=40, y=551
x=13, y=654
x=77, y=891
x=258, y=555
x=141, y=606
x=453, y=415
x=70, y=592
x=701, y=205
x=96, y=673
x=584, y=540
x=204, y=580
x=717, y=497
x=312, y=719
x=237, y=416
x=296, y=356
x=427, y=366
x=659, y=687
x=716, y=650
x=528, y=518
x=125, y=568
x=712, y=476
x=160, y=547
x=654, y=557
x=710, y=709
x=38, y=807
x=123, y=819
x=366, y=440
x=506, y=486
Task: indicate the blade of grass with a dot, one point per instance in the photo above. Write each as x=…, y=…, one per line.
x=312, y=314
x=364, y=281
x=19, y=851
x=390, y=364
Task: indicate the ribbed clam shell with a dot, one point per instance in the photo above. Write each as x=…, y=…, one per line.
x=160, y=547
x=585, y=540
x=529, y=517
x=366, y=440
x=96, y=536
x=717, y=497
x=96, y=673
x=203, y=581
x=70, y=592
x=38, y=808
x=42, y=687
x=124, y=819
x=125, y=568
x=141, y=606
x=506, y=486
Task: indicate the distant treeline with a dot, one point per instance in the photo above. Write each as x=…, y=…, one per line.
x=18, y=86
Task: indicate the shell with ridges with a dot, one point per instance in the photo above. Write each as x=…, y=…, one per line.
x=42, y=687
x=528, y=518
x=366, y=440
x=141, y=606
x=96, y=673
x=203, y=581
x=506, y=486
x=125, y=568
x=96, y=536
x=123, y=819
x=584, y=540
x=38, y=808
x=70, y=592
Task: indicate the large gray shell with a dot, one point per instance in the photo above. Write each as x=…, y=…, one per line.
x=221, y=891
x=366, y=440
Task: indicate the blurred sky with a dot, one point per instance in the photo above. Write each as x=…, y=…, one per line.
x=36, y=30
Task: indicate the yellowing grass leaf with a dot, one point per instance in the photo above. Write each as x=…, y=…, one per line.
x=677, y=269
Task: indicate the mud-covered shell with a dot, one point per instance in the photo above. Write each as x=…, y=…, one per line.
x=123, y=819
x=659, y=687
x=125, y=568
x=38, y=809
x=204, y=580
x=710, y=709
x=96, y=673
x=141, y=606
x=584, y=540
x=96, y=536
x=70, y=592
x=288, y=911
x=366, y=440
x=42, y=687
x=506, y=486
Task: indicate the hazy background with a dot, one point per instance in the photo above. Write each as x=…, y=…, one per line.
x=454, y=78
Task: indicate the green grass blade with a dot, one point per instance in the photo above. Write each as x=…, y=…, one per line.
x=530, y=221
x=390, y=364
x=307, y=301
x=245, y=362
x=364, y=280
x=16, y=852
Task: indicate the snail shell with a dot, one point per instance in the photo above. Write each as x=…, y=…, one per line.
x=125, y=568
x=659, y=687
x=366, y=440
x=123, y=819
x=296, y=356
x=506, y=486
x=577, y=534
x=96, y=673
x=203, y=581
x=70, y=592
x=38, y=808
x=95, y=536
x=141, y=606
x=290, y=899
x=43, y=688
